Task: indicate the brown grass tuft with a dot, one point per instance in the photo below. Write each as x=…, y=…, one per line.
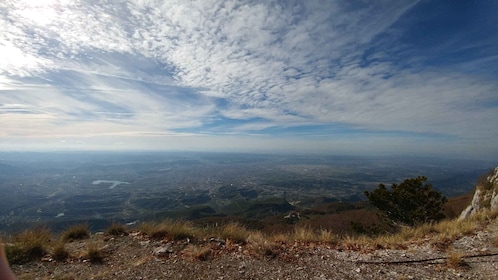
x=455, y=260
x=116, y=229
x=200, y=253
x=260, y=245
x=59, y=252
x=94, y=254
x=76, y=232
x=235, y=233
x=304, y=234
x=358, y=243
x=328, y=236
x=28, y=245
x=180, y=230
x=174, y=230
x=153, y=230
x=495, y=242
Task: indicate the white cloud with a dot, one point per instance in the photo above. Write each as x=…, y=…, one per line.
x=153, y=67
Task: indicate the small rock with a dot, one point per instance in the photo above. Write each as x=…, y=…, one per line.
x=217, y=240
x=163, y=251
x=47, y=259
x=358, y=270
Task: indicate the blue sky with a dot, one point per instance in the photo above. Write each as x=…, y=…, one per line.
x=344, y=77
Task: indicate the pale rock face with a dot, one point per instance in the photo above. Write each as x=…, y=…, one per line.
x=484, y=197
x=473, y=207
x=494, y=200
x=494, y=197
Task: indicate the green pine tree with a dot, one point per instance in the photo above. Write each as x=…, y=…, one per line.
x=412, y=202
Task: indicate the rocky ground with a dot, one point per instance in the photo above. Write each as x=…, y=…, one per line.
x=136, y=257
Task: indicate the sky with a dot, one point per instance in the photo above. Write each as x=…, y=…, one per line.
x=375, y=77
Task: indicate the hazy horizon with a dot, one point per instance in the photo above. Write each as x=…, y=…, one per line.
x=414, y=78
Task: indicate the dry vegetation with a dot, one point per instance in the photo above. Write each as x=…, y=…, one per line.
x=456, y=260
x=76, y=232
x=233, y=247
x=34, y=244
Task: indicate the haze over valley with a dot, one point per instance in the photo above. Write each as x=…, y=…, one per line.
x=58, y=189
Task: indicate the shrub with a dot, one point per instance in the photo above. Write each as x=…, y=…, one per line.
x=28, y=245
x=94, y=254
x=59, y=252
x=76, y=232
x=116, y=229
x=412, y=202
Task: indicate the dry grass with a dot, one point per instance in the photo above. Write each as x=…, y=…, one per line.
x=94, y=254
x=307, y=234
x=358, y=243
x=495, y=242
x=153, y=230
x=59, y=252
x=304, y=234
x=28, y=245
x=33, y=244
x=453, y=229
x=76, y=232
x=200, y=253
x=455, y=260
x=440, y=234
x=328, y=236
x=168, y=229
x=116, y=229
x=485, y=215
x=180, y=230
x=234, y=232
x=260, y=245
x=392, y=241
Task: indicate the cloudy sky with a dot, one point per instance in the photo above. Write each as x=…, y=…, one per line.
x=348, y=77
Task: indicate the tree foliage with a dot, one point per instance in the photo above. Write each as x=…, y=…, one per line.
x=412, y=202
